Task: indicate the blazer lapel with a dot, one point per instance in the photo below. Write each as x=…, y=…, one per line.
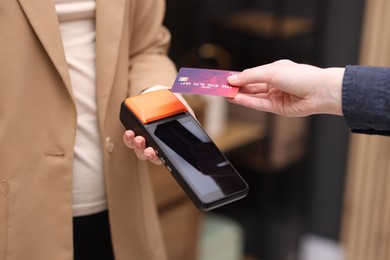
x=43, y=19
x=109, y=25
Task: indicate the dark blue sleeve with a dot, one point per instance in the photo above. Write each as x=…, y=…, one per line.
x=366, y=99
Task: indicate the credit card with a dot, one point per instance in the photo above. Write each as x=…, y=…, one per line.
x=204, y=82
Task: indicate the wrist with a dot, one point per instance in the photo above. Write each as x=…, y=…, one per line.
x=333, y=79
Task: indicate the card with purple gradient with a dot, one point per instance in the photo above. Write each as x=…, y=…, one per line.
x=204, y=82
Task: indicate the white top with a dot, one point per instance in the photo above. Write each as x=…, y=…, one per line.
x=77, y=26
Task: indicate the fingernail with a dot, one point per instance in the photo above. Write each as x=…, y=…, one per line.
x=137, y=143
x=232, y=77
x=127, y=135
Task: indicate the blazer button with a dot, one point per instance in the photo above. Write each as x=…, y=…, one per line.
x=109, y=145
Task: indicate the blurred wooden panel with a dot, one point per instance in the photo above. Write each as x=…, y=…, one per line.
x=366, y=219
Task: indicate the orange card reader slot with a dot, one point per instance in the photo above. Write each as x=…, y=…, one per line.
x=155, y=105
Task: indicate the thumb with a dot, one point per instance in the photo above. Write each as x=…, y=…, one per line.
x=232, y=79
x=260, y=74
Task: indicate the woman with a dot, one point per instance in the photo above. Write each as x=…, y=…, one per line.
x=67, y=182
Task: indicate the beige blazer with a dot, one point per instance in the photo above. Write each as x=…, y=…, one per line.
x=38, y=124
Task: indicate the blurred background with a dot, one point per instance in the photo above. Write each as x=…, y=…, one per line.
x=296, y=168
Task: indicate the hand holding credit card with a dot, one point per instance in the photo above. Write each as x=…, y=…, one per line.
x=204, y=82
